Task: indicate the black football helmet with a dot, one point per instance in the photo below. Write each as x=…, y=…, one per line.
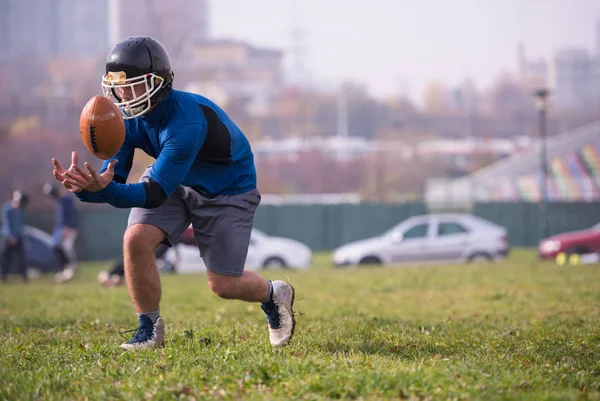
x=133, y=61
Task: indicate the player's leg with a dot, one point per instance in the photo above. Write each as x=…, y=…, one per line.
x=67, y=246
x=6, y=260
x=147, y=229
x=249, y=287
x=69, y=249
x=61, y=260
x=116, y=276
x=118, y=269
x=141, y=275
x=143, y=283
x=21, y=261
x=222, y=227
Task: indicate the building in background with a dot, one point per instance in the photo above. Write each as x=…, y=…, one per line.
x=572, y=79
x=225, y=70
x=532, y=73
x=178, y=24
x=82, y=28
x=36, y=29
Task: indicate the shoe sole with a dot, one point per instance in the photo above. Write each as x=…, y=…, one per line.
x=292, y=311
x=135, y=347
x=293, y=317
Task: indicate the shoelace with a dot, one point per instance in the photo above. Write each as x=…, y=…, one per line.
x=136, y=332
x=272, y=312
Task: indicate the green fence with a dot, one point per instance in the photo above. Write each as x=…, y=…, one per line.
x=324, y=227
x=100, y=232
x=524, y=221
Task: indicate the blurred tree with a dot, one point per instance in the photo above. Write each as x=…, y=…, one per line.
x=269, y=177
x=437, y=98
x=508, y=98
x=390, y=177
x=362, y=114
x=312, y=114
x=174, y=36
x=296, y=110
x=237, y=108
x=75, y=80
x=4, y=152
x=25, y=160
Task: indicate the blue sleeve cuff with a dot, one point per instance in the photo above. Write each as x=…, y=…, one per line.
x=103, y=196
x=83, y=195
x=123, y=196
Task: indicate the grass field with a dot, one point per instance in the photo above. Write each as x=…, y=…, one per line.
x=517, y=330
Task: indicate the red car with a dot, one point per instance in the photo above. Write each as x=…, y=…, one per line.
x=579, y=242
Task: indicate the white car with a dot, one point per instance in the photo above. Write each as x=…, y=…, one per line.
x=264, y=252
x=429, y=239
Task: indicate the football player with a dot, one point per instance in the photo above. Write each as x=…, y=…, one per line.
x=204, y=173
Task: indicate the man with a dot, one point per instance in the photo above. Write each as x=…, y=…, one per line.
x=65, y=231
x=13, y=224
x=204, y=173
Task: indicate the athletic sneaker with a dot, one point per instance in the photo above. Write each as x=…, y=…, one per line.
x=66, y=275
x=280, y=314
x=148, y=335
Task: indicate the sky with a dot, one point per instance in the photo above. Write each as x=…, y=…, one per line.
x=400, y=46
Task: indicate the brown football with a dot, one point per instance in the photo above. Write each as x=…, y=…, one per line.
x=102, y=127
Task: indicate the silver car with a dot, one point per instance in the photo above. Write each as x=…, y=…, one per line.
x=429, y=238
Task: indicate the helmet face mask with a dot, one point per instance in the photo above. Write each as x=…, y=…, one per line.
x=138, y=105
x=140, y=67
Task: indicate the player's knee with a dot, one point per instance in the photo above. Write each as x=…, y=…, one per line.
x=133, y=242
x=223, y=287
x=139, y=240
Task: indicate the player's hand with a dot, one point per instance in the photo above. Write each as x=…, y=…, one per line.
x=98, y=182
x=75, y=179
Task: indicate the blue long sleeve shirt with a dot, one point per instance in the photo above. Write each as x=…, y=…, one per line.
x=195, y=144
x=13, y=221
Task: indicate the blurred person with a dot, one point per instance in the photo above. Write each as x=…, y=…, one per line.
x=204, y=174
x=116, y=276
x=66, y=226
x=13, y=226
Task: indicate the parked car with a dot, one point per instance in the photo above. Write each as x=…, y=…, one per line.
x=429, y=239
x=579, y=242
x=39, y=255
x=264, y=252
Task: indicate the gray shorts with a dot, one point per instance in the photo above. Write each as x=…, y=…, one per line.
x=222, y=224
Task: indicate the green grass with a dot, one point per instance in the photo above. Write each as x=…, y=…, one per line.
x=516, y=330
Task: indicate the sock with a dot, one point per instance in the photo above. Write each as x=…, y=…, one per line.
x=270, y=296
x=152, y=315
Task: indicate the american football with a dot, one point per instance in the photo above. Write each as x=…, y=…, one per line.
x=102, y=127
